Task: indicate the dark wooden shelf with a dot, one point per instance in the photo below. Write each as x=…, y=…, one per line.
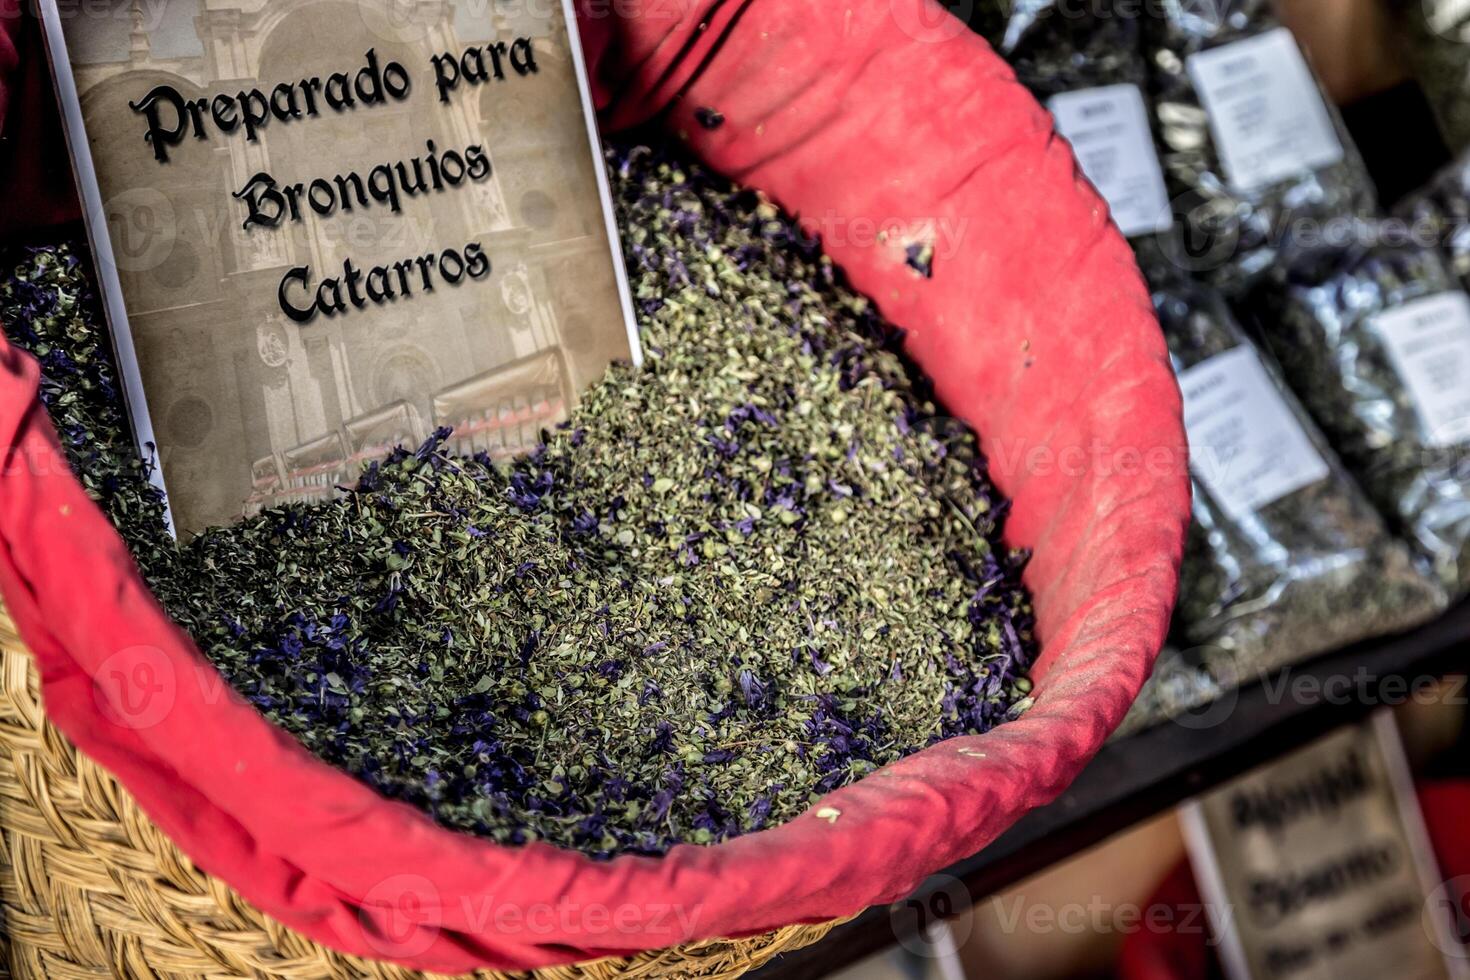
x=1151, y=771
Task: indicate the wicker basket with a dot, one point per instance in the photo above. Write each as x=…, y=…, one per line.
x=91, y=888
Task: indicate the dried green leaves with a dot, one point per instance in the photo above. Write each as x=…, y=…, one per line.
x=750, y=572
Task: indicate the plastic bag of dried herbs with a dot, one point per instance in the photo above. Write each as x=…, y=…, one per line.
x=1438, y=34
x=1439, y=215
x=1054, y=48
x=1253, y=151
x=1088, y=69
x=1182, y=685
x=1376, y=341
x=1286, y=557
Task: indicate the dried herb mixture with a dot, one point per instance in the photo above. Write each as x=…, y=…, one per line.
x=1439, y=212
x=740, y=577
x=1056, y=49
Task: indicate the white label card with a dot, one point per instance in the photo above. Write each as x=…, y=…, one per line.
x=1265, y=110
x=1245, y=444
x=1317, y=866
x=1429, y=342
x=1109, y=131
x=323, y=230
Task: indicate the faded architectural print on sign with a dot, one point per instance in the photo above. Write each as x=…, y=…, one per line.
x=340, y=224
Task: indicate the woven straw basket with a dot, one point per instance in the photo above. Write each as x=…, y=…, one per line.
x=91, y=888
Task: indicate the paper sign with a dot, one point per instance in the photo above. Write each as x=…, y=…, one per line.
x=1319, y=868
x=317, y=222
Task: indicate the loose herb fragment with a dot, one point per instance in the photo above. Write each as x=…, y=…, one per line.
x=920, y=257
x=747, y=574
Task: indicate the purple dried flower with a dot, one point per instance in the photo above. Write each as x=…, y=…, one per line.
x=920, y=257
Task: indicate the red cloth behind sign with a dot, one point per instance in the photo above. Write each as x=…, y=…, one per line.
x=1036, y=328
x=35, y=173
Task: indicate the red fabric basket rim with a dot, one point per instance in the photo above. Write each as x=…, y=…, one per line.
x=310, y=845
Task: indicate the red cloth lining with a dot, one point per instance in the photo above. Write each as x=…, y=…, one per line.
x=1036, y=328
x=35, y=172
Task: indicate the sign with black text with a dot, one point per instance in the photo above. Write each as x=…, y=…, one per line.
x=1322, y=861
x=325, y=228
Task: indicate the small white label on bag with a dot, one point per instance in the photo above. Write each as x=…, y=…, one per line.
x=1109, y=132
x=1265, y=110
x=1245, y=445
x=1429, y=342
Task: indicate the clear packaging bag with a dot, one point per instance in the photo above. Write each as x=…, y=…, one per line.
x=1181, y=685
x=1439, y=214
x=1286, y=557
x=1438, y=47
x=1375, y=340
x=1057, y=48
x=1087, y=67
x=1254, y=152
